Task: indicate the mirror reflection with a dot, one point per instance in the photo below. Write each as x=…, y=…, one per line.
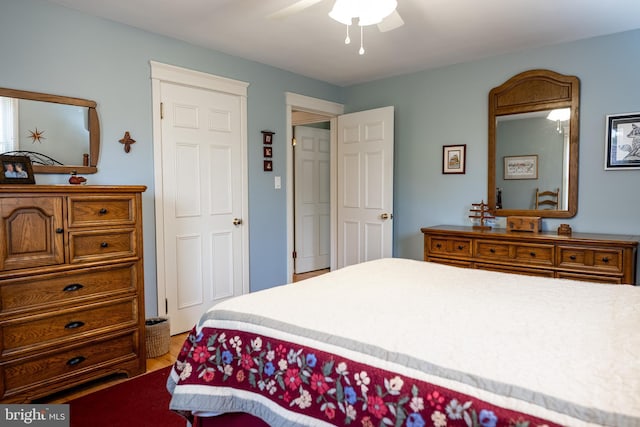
x=59, y=134
x=533, y=145
x=526, y=141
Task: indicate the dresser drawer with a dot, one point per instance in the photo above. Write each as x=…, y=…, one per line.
x=39, y=372
x=101, y=210
x=450, y=246
x=43, y=331
x=103, y=244
x=605, y=260
x=488, y=249
x=534, y=254
x=514, y=252
x=55, y=289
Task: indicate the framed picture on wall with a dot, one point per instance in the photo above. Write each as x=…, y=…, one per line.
x=16, y=170
x=521, y=167
x=623, y=142
x=454, y=158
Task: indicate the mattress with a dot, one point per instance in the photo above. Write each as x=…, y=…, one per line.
x=404, y=342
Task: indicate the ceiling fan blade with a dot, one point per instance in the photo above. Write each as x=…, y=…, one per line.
x=391, y=22
x=296, y=7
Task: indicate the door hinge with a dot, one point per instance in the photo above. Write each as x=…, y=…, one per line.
x=161, y=110
x=166, y=306
x=295, y=254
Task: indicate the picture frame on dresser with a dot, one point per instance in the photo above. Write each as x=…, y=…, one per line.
x=16, y=170
x=622, y=142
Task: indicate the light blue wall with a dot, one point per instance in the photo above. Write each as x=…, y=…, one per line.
x=450, y=106
x=56, y=50
x=47, y=48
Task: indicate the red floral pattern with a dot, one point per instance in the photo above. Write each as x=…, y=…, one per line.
x=329, y=387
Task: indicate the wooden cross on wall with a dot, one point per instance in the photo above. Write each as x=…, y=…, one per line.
x=127, y=141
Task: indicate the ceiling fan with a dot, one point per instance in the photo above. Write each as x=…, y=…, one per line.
x=388, y=23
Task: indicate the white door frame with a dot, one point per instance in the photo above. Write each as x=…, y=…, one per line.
x=170, y=73
x=330, y=109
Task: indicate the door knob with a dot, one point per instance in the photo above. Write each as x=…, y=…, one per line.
x=386, y=216
x=237, y=221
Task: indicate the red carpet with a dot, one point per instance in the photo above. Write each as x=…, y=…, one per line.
x=140, y=402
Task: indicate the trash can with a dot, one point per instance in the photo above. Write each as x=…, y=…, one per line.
x=158, y=336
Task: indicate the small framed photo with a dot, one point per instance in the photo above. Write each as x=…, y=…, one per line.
x=521, y=167
x=623, y=142
x=454, y=158
x=16, y=170
x=267, y=137
x=268, y=166
x=267, y=151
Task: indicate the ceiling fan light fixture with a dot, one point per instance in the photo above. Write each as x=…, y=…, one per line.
x=375, y=11
x=369, y=12
x=559, y=114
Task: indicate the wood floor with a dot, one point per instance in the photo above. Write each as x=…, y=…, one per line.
x=152, y=365
x=298, y=277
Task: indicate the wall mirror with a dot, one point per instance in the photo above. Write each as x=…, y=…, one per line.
x=59, y=134
x=533, y=144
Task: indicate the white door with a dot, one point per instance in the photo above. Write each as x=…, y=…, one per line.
x=312, y=225
x=202, y=196
x=365, y=186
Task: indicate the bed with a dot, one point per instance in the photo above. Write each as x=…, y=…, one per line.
x=400, y=342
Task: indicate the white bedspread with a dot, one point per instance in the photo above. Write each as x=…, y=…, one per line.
x=568, y=351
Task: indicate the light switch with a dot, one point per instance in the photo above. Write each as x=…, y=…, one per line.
x=277, y=182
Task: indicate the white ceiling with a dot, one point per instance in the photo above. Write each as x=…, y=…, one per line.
x=436, y=32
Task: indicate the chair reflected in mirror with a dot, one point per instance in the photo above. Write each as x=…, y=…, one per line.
x=547, y=199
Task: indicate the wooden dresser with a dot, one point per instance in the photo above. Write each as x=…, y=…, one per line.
x=71, y=286
x=603, y=258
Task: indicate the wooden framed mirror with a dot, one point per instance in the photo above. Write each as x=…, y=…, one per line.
x=60, y=134
x=533, y=144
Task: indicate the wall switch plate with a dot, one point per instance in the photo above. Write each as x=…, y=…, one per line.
x=277, y=182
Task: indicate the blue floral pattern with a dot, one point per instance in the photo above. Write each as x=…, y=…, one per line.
x=331, y=388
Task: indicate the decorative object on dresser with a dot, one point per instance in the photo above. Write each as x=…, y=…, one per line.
x=564, y=230
x=76, y=179
x=524, y=223
x=480, y=215
x=71, y=287
x=603, y=258
x=16, y=170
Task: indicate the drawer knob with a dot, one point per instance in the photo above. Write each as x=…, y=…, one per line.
x=605, y=259
x=59, y=230
x=460, y=247
x=72, y=287
x=493, y=251
x=104, y=244
x=572, y=257
x=533, y=254
x=76, y=360
x=438, y=245
x=74, y=325
x=103, y=211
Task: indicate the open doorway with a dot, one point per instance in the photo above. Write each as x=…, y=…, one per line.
x=303, y=111
x=361, y=195
x=311, y=193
